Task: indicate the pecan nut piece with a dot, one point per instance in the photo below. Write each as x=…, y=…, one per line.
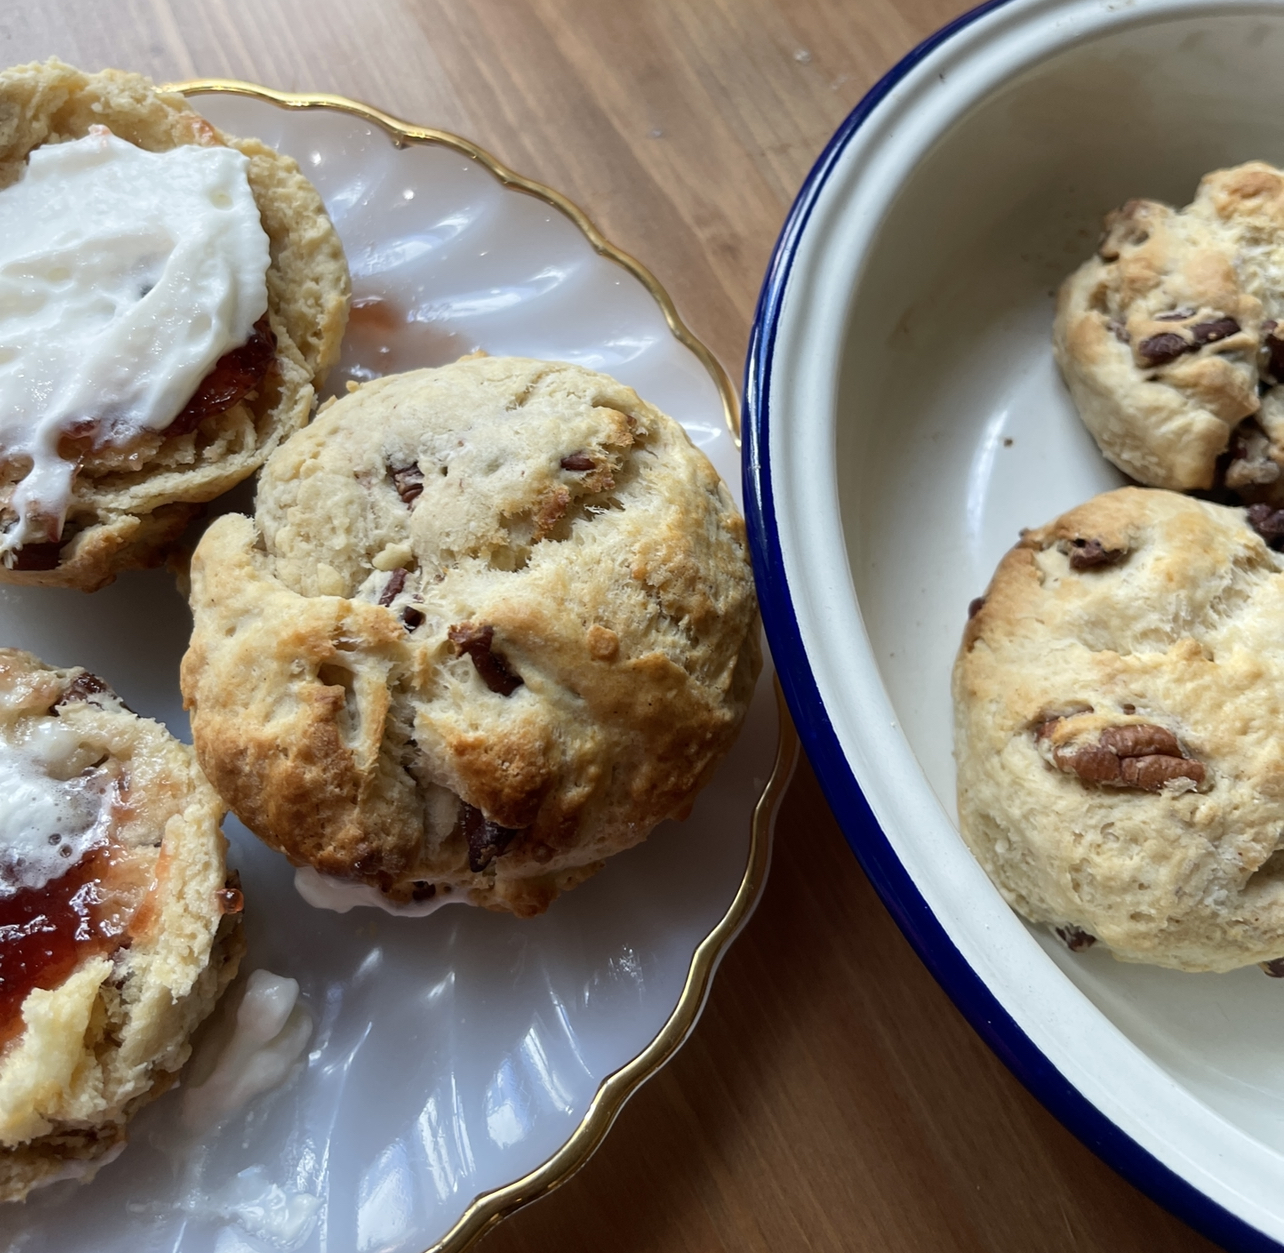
x=1135, y=755
x=409, y=482
x=1092, y=554
x=1076, y=939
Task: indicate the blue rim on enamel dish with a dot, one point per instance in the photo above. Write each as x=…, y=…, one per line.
x=894, y=884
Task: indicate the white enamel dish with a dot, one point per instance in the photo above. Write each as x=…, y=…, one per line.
x=903, y=420
x=466, y=1062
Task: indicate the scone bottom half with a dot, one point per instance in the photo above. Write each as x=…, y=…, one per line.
x=1118, y=703
x=1170, y=338
x=119, y=925
x=489, y=625
x=130, y=502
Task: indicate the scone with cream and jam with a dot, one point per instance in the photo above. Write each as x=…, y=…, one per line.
x=1118, y=700
x=489, y=625
x=1170, y=341
x=170, y=297
x=118, y=928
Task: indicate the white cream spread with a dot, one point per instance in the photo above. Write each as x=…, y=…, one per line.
x=124, y=276
x=272, y=1030
x=47, y=823
x=326, y=892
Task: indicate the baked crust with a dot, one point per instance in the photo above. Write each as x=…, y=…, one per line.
x=1167, y=336
x=1118, y=697
x=541, y=502
x=114, y=1033
x=128, y=506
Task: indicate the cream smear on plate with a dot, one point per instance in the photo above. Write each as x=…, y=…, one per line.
x=124, y=276
x=340, y=895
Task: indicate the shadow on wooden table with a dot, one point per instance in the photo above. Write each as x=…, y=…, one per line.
x=823, y=1029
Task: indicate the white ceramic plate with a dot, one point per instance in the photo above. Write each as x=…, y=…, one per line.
x=905, y=421
x=464, y=1062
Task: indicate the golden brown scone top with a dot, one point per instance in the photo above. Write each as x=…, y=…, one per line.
x=1118, y=698
x=130, y=505
x=87, y=1050
x=1168, y=337
x=490, y=624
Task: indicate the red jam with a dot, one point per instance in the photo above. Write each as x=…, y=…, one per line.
x=45, y=933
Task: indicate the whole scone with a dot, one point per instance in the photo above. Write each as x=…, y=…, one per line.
x=1118, y=702
x=490, y=624
x=118, y=930
x=1167, y=337
x=130, y=503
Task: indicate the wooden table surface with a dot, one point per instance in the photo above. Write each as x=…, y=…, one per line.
x=831, y=1097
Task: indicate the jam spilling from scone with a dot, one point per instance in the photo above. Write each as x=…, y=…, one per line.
x=69, y=890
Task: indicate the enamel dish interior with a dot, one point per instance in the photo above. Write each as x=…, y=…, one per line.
x=454, y=1054
x=907, y=420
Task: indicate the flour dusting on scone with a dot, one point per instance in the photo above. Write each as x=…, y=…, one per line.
x=1170, y=337
x=118, y=926
x=1118, y=701
x=170, y=299
x=490, y=624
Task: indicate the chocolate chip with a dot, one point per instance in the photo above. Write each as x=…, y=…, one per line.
x=477, y=641
x=1268, y=523
x=411, y=617
x=1163, y=348
x=486, y=839
x=1136, y=755
x=1092, y=554
x=975, y=606
x=84, y=687
x=409, y=482
x=1274, y=968
x=37, y=556
x=1211, y=332
x=578, y=461
x=392, y=588
x=1075, y=938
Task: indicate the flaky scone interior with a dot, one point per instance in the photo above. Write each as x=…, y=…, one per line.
x=130, y=502
x=119, y=928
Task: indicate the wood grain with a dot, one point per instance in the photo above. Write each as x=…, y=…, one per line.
x=831, y=1098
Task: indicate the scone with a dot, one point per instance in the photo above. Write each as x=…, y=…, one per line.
x=170, y=297
x=490, y=624
x=118, y=930
x=1118, y=700
x=1168, y=338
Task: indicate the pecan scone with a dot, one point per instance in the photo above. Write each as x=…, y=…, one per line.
x=1118, y=701
x=118, y=929
x=489, y=625
x=1169, y=337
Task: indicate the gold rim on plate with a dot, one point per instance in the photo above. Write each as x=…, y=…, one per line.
x=489, y=1208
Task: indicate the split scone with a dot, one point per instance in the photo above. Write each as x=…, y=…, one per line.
x=1169, y=337
x=118, y=929
x=169, y=299
x=490, y=624
x=1118, y=702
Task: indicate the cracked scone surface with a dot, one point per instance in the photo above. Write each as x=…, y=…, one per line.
x=490, y=624
x=1170, y=341
x=129, y=505
x=105, y=1026
x=1118, y=700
